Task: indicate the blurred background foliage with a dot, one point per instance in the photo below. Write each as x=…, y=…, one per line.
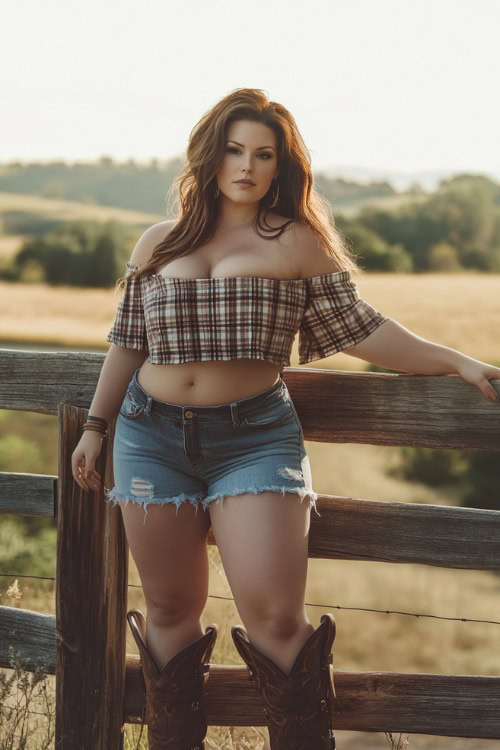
x=455, y=228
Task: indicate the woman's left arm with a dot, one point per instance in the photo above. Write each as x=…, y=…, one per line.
x=394, y=347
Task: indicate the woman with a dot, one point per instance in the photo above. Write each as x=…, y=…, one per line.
x=212, y=303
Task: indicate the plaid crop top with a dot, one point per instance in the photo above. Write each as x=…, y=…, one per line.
x=197, y=319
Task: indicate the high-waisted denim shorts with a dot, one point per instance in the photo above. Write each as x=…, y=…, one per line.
x=168, y=453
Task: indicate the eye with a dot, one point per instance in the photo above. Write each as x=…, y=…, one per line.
x=232, y=149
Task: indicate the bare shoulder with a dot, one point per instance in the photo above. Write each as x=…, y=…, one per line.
x=312, y=259
x=148, y=240
x=291, y=239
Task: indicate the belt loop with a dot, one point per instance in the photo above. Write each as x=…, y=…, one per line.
x=147, y=408
x=234, y=413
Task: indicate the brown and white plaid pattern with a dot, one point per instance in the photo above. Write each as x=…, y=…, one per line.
x=185, y=320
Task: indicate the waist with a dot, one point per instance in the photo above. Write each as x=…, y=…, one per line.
x=224, y=410
x=207, y=383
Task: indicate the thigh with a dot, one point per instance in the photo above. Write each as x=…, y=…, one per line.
x=170, y=552
x=160, y=500
x=263, y=544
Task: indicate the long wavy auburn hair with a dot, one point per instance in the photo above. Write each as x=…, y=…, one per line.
x=198, y=212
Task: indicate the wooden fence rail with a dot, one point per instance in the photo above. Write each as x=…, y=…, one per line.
x=97, y=683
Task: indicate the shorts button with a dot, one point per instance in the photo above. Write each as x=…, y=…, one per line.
x=188, y=414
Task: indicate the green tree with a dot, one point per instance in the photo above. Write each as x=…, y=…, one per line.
x=482, y=480
x=80, y=253
x=373, y=252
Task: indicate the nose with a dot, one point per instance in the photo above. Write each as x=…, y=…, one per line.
x=247, y=164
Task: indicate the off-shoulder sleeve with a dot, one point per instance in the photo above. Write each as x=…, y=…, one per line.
x=129, y=327
x=335, y=316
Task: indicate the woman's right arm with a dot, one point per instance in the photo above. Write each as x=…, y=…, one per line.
x=117, y=370
x=119, y=365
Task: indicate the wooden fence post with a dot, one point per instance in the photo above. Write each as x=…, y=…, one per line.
x=91, y=600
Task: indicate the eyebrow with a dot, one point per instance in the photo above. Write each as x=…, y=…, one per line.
x=241, y=144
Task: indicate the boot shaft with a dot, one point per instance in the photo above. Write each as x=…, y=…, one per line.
x=298, y=707
x=175, y=696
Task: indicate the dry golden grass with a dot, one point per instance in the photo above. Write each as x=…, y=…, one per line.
x=39, y=314
x=459, y=310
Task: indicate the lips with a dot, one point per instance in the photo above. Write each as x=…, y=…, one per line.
x=244, y=182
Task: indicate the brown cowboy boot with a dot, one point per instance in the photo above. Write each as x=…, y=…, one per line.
x=298, y=707
x=174, y=708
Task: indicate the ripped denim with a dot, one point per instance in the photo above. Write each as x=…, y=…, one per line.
x=168, y=453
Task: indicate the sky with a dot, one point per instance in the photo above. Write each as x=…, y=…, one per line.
x=396, y=85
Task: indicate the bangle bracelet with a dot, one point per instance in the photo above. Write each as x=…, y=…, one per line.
x=94, y=428
x=98, y=420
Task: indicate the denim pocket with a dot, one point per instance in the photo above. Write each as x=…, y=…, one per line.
x=130, y=408
x=268, y=417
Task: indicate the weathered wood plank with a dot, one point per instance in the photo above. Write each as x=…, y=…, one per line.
x=40, y=381
x=334, y=406
x=31, y=633
x=28, y=494
x=394, y=409
x=396, y=532
x=450, y=705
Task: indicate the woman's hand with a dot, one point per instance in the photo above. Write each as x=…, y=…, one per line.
x=479, y=374
x=84, y=458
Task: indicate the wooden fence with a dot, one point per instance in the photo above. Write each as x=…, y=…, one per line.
x=98, y=686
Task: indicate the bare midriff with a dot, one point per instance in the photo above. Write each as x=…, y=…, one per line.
x=208, y=383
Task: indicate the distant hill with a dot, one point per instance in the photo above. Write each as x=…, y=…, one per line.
x=103, y=183
x=55, y=210
x=144, y=187
x=427, y=179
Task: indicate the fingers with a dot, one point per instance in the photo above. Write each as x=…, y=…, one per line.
x=91, y=479
x=87, y=479
x=488, y=390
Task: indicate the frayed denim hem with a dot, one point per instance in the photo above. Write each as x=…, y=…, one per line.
x=301, y=491
x=114, y=497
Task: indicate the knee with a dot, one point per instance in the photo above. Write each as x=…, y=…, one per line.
x=279, y=624
x=171, y=611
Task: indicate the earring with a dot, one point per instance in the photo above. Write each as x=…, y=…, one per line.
x=217, y=191
x=276, y=196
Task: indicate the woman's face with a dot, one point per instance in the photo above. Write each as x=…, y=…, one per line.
x=250, y=153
